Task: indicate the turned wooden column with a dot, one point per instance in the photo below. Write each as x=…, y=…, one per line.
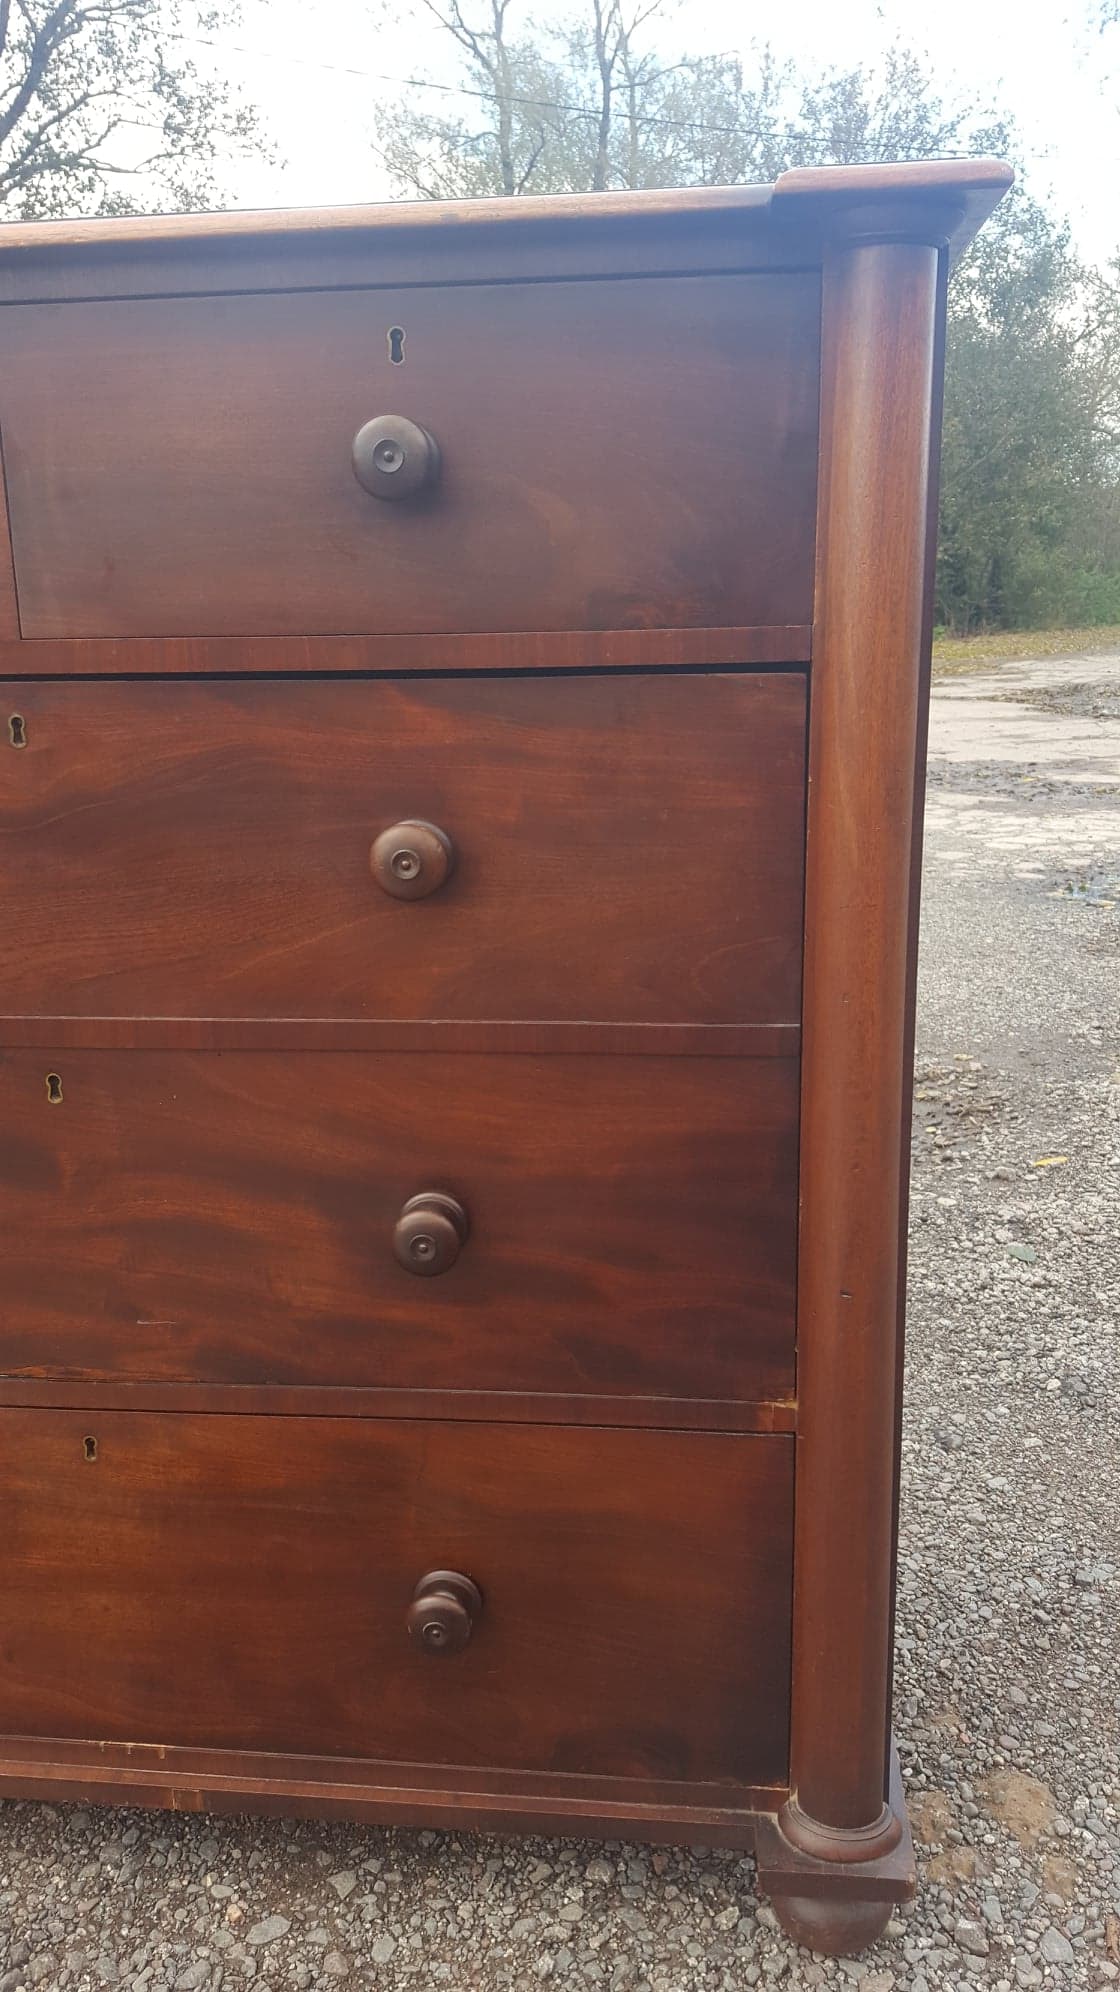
x=879, y=326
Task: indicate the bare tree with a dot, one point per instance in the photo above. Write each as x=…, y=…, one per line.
x=577, y=105
x=590, y=102
x=1031, y=462
x=614, y=33
x=102, y=108
x=515, y=87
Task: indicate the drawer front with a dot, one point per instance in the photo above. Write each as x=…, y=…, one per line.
x=624, y=849
x=613, y=454
x=245, y=1583
x=232, y=1217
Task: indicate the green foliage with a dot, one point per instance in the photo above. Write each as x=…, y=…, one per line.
x=88, y=84
x=1030, y=520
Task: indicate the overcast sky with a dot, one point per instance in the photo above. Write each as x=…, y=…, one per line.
x=1053, y=69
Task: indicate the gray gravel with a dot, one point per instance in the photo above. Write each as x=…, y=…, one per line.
x=1008, y=1693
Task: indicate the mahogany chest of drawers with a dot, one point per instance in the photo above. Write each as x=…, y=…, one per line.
x=464, y=691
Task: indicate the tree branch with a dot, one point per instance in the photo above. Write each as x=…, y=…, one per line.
x=46, y=38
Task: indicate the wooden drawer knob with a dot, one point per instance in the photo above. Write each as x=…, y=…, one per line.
x=444, y=1607
x=411, y=859
x=394, y=458
x=430, y=1233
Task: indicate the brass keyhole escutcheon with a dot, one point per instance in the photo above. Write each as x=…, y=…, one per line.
x=411, y=859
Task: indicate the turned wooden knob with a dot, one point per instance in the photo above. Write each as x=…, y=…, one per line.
x=411, y=859
x=394, y=458
x=430, y=1233
x=444, y=1607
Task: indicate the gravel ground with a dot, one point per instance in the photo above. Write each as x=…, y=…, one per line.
x=1008, y=1696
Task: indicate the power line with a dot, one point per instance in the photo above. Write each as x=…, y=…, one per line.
x=532, y=103
x=463, y=90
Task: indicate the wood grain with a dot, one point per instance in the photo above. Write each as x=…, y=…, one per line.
x=297, y=1400
x=234, y=1429
x=230, y=1218
x=405, y=656
x=938, y=202
x=318, y=228
x=628, y=849
x=9, y=607
x=652, y=231
x=925, y=672
x=188, y=1781
x=674, y=245
x=336, y=1774
x=880, y=314
x=183, y=467
x=550, y=1040
x=242, y=1583
x=399, y=243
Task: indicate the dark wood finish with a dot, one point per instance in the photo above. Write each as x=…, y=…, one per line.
x=401, y=656
x=380, y=1794
x=880, y=312
x=421, y=887
x=319, y=231
x=243, y=1583
x=830, y=1904
x=183, y=467
x=204, y=848
x=339, y=1772
x=390, y=1034
x=956, y=196
x=915, y=897
x=720, y=234
x=231, y=1218
x=9, y=607
x=571, y=235
x=294, y=1400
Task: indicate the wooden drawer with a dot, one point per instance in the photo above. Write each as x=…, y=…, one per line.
x=231, y=1218
x=626, y=849
x=614, y=454
x=243, y=1583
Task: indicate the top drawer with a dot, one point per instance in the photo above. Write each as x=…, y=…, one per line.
x=617, y=454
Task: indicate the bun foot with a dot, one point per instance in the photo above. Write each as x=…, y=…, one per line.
x=833, y=1888
x=837, y=1925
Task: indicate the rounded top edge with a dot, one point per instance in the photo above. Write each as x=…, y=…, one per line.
x=806, y=195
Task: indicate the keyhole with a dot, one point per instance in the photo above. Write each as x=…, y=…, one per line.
x=396, y=345
x=54, y=1089
x=17, y=730
x=89, y=1448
